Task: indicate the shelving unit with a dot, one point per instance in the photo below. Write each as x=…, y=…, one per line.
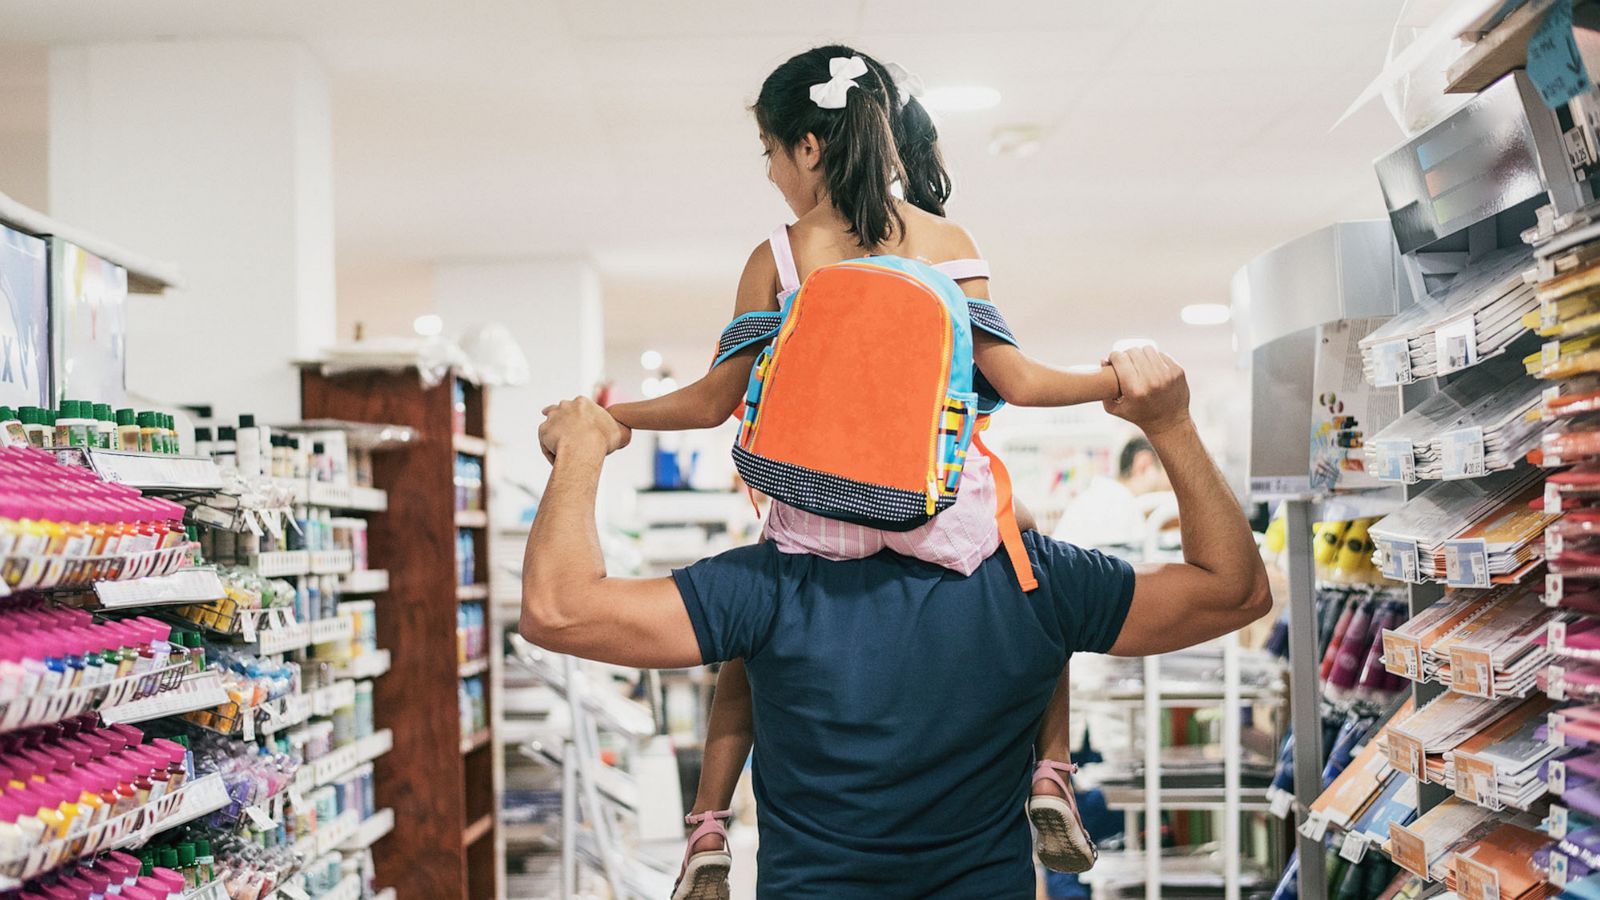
x=448, y=844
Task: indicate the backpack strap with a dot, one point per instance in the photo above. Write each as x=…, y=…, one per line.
x=962, y=269
x=783, y=255
x=1006, y=517
x=986, y=315
x=750, y=328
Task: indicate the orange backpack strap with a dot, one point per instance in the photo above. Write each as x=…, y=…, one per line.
x=1006, y=517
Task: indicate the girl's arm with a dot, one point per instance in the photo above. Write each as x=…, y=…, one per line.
x=711, y=400
x=1024, y=381
x=1020, y=379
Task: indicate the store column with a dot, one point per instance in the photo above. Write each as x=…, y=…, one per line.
x=217, y=156
x=552, y=309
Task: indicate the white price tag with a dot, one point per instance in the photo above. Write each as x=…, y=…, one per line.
x=1556, y=683
x=1400, y=560
x=1557, y=823
x=247, y=722
x=1314, y=827
x=1354, y=848
x=1552, y=498
x=1550, y=394
x=1549, y=354
x=1556, y=637
x=1397, y=461
x=1557, y=779
x=1558, y=869
x=247, y=625
x=1553, y=734
x=1461, y=453
x=259, y=818
x=1548, y=316
x=1466, y=563
x=1552, y=543
x=1553, y=589
x=1456, y=344
x=1280, y=803
x=1391, y=363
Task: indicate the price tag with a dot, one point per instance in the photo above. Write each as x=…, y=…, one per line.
x=1553, y=733
x=259, y=818
x=1553, y=589
x=1466, y=563
x=1558, y=869
x=1549, y=395
x=1405, y=754
x=1314, y=827
x=1391, y=363
x=1397, y=460
x=1456, y=344
x=1556, y=636
x=1402, y=655
x=1280, y=802
x=247, y=625
x=1557, y=823
x=1553, y=544
x=1548, y=315
x=1354, y=848
x=1552, y=498
x=1549, y=354
x=1461, y=453
x=1476, y=881
x=247, y=722
x=1555, y=683
x=1557, y=777
x=1400, y=560
x=1477, y=781
x=1407, y=850
x=1471, y=672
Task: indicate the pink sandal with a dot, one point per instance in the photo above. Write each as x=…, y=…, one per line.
x=1060, y=839
x=704, y=875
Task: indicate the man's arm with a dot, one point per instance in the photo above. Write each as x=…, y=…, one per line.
x=569, y=604
x=1221, y=585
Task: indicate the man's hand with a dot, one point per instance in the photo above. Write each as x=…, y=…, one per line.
x=580, y=423
x=1155, y=393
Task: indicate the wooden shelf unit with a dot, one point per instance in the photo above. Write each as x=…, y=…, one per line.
x=443, y=785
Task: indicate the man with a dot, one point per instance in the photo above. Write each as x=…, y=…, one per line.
x=895, y=702
x=1115, y=512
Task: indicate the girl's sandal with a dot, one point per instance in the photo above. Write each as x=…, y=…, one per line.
x=704, y=875
x=1060, y=839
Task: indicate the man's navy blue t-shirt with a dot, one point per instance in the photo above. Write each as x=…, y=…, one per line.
x=896, y=704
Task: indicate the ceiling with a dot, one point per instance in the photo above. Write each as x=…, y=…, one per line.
x=1180, y=138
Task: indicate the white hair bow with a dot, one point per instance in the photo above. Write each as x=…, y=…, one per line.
x=845, y=70
x=906, y=84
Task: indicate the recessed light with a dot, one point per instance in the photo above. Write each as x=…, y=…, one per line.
x=650, y=359
x=429, y=325
x=1130, y=343
x=960, y=98
x=1206, y=314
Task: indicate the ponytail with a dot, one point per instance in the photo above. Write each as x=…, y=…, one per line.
x=860, y=159
x=927, y=183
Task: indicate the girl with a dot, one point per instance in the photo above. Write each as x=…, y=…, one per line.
x=839, y=131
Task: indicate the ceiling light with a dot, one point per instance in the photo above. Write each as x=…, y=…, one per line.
x=650, y=359
x=960, y=98
x=429, y=325
x=651, y=388
x=1206, y=314
x=1130, y=343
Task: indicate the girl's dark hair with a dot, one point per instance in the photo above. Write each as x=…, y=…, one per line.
x=925, y=183
x=860, y=160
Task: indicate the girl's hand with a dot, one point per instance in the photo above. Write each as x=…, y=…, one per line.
x=1155, y=391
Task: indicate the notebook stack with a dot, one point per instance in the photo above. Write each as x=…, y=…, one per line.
x=1485, y=422
x=1484, y=643
x=1467, y=533
x=1477, y=316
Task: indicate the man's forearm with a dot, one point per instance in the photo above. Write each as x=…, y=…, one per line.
x=563, y=553
x=1216, y=536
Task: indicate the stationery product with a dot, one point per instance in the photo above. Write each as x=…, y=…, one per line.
x=1467, y=533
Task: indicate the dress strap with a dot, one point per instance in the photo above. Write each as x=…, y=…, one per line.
x=962, y=269
x=783, y=254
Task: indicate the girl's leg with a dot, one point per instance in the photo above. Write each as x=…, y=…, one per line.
x=1055, y=732
x=728, y=740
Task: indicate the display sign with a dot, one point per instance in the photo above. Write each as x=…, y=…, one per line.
x=89, y=325
x=24, y=320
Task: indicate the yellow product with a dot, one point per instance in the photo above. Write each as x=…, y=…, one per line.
x=1326, y=542
x=1355, y=551
x=1277, y=534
